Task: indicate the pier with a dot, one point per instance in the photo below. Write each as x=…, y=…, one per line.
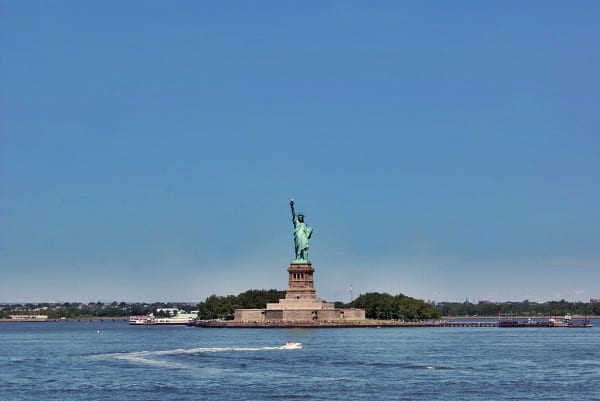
x=468, y=324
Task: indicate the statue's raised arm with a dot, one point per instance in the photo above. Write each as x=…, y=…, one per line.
x=293, y=211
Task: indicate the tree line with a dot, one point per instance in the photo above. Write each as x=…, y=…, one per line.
x=524, y=308
x=76, y=310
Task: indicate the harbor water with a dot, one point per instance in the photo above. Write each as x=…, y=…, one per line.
x=114, y=361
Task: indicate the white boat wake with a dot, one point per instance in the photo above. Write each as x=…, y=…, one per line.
x=152, y=357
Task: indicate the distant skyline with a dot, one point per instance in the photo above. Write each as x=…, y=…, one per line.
x=443, y=150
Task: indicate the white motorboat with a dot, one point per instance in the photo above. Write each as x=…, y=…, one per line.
x=291, y=345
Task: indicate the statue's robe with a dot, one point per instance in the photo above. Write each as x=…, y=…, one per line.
x=302, y=233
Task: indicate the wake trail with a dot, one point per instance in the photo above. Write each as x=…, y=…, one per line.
x=153, y=358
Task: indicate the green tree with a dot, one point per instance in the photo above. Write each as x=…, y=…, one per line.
x=385, y=306
x=223, y=307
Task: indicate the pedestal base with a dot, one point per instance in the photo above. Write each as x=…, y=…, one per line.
x=300, y=303
x=301, y=284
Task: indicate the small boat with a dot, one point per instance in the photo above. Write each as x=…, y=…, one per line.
x=141, y=320
x=568, y=322
x=291, y=345
x=564, y=322
x=181, y=318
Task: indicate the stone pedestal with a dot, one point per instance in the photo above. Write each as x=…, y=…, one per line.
x=301, y=284
x=300, y=303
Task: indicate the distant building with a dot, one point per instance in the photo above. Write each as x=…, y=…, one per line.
x=29, y=317
x=168, y=311
x=595, y=300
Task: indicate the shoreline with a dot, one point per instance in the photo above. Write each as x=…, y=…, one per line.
x=362, y=323
x=316, y=324
x=520, y=317
x=80, y=319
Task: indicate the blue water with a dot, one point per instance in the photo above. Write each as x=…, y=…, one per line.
x=115, y=361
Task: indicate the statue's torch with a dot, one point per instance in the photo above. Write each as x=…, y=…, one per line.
x=292, y=207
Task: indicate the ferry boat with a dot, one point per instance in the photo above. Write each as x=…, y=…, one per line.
x=509, y=320
x=180, y=317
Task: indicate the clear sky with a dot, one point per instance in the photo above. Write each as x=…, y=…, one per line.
x=443, y=150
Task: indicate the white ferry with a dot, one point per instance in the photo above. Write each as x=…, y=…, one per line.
x=179, y=317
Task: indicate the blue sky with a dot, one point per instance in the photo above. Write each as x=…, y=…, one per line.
x=444, y=150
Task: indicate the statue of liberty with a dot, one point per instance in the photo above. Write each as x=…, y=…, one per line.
x=302, y=234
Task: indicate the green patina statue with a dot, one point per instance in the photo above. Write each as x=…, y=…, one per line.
x=302, y=234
